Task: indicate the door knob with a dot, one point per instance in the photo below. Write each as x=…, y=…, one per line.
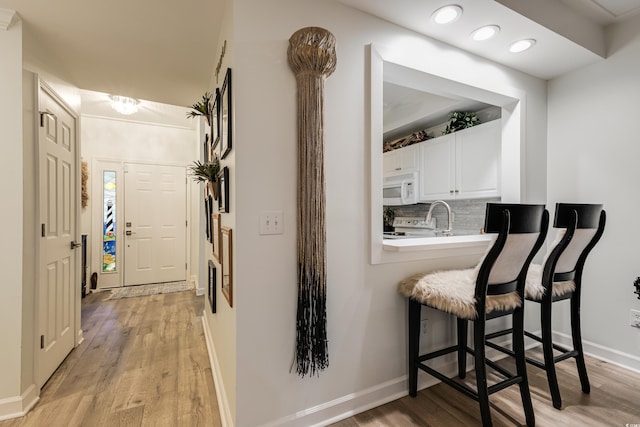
x=75, y=244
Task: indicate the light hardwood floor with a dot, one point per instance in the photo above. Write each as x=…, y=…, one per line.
x=614, y=401
x=143, y=362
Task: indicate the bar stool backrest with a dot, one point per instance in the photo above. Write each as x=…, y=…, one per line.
x=521, y=231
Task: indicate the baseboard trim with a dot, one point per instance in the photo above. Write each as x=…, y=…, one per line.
x=14, y=407
x=226, y=417
x=354, y=403
x=195, y=285
x=597, y=351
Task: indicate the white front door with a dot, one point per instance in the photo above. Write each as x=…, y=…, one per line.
x=58, y=288
x=155, y=224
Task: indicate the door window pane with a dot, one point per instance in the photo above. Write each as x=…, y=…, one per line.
x=109, y=221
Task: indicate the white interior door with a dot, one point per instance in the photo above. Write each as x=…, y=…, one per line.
x=155, y=224
x=58, y=279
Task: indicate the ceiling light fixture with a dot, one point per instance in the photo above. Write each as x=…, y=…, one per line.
x=447, y=14
x=521, y=45
x=124, y=104
x=485, y=33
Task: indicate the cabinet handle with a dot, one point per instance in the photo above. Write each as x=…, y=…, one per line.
x=457, y=191
x=398, y=169
x=450, y=191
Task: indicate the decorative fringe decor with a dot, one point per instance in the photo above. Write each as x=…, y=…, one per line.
x=84, y=176
x=312, y=57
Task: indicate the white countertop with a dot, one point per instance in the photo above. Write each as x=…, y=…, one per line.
x=436, y=243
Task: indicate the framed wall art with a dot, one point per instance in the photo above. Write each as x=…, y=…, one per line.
x=226, y=123
x=215, y=120
x=227, y=264
x=211, y=286
x=210, y=204
x=223, y=190
x=207, y=149
x=207, y=216
x=215, y=230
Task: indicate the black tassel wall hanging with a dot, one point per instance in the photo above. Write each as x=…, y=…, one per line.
x=312, y=57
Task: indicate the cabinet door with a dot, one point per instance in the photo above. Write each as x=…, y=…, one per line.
x=403, y=159
x=409, y=158
x=391, y=162
x=478, y=161
x=437, y=169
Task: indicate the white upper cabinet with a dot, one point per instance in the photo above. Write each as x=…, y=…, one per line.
x=462, y=165
x=437, y=168
x=403, y=159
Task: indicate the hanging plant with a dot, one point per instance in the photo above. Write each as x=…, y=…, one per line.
x=208, y=173
x=461, y=120
x=202, y=108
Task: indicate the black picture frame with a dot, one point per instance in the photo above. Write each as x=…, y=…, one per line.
x=225, y=116
x=211, y=286
x=209, y=232
x=215, y=121
x=207, y=149
x=223, y=190
x=207, y=215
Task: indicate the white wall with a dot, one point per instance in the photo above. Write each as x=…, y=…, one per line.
x=366, y=316
x=592, y=158
x=11, y=170
x=130, y=141
x=221, y=326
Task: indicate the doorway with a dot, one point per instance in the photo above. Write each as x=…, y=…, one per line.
x=140, y=218
x=57, y=296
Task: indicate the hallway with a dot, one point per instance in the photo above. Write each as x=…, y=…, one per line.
x=143, y=362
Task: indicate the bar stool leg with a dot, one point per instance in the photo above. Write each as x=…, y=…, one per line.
x=462, y=347
x=481, y=370
x=414, y=345
x=521, y=365
x=576, y=336
x=547, y=348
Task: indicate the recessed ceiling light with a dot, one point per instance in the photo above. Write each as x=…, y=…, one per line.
x=447, y=14
x=521, y=45
x=485, y=33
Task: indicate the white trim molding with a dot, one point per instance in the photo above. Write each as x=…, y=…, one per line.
x=14, y=407
x=600, y=352
x=226, y=419
x=7, y=18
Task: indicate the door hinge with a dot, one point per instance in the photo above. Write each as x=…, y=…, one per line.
x=186, y=223
x=43, y=230
x=185, y=265
x=41, y=341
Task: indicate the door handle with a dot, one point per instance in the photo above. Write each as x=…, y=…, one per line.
x=129, y=232
x=75, y=244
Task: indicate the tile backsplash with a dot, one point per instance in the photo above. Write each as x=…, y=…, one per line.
x=468, y=215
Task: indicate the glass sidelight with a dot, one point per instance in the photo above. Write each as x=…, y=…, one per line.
x=109, y=221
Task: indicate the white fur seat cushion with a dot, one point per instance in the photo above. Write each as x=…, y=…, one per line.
x=534, y=289
x=453, y=291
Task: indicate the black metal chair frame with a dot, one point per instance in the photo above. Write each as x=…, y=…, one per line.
x=503, y=219
x=571, y=217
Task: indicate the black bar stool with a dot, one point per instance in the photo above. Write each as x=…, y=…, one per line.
x=560, y=278
x=493, y=289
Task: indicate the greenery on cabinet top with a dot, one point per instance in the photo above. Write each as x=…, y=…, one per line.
x=452, y=125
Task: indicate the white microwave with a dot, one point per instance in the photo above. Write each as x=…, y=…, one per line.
x=401, y=189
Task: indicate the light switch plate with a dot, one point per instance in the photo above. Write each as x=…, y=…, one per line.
x=271, y=222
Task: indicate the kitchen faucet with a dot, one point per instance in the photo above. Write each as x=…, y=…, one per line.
x=447, y=231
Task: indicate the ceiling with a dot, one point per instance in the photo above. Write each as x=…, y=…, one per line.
x=158, y=51
x=570, y=34
x=166, y=53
